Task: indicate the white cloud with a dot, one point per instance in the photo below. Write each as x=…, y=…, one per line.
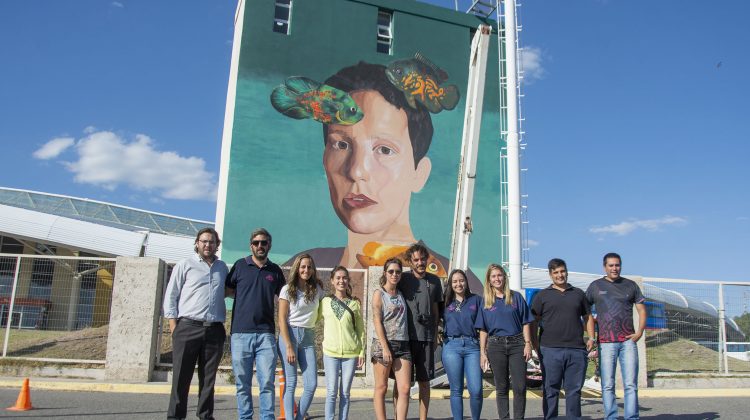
x=89, y=129
x=531, y=63
x=107, y=160
x=117, y=4
x=628, y=226
x=53, y=148
x=532, y=243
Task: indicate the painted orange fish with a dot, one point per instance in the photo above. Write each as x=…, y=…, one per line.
x=422, y=81
x=376, y=254
x=300, y=98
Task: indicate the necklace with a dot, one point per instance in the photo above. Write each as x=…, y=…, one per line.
x=393, y=296
x=458, y=305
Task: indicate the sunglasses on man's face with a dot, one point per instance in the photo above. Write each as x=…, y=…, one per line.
x=259, y=243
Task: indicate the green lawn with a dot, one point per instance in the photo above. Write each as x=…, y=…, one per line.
x=85, y=344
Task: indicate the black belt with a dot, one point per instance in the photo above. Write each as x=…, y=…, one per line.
x=506, y=338
x=199, y=323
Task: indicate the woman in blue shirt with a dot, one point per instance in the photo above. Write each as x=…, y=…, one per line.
x=505, y=340
x=461, y=345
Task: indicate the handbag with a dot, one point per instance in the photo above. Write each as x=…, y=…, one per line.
x=348, y=309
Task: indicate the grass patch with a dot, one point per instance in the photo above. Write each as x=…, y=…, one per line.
x=86, y=344
x=669, y=352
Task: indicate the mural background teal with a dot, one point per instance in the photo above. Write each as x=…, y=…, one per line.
x=275, y=173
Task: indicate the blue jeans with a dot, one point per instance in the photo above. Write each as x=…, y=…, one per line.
x=461, y=360
x=563, y=365
x=303, y=341
x=338, y=370
x=261, y=349
x=627, y=353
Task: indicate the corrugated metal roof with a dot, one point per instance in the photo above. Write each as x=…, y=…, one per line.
x=101, y=213
x=169, y=248
x=69, y=233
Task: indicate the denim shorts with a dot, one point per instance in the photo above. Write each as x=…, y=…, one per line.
x=399, y=350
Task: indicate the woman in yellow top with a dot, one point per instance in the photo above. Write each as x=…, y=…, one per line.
x=343, y=338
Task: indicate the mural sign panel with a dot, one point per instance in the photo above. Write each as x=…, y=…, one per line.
x=347, y=150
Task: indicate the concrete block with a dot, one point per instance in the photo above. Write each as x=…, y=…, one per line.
x=134, y=319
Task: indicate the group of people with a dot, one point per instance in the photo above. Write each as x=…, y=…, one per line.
x=494, y=329
x=194, y=306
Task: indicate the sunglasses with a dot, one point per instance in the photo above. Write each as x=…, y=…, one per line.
x=259, y=243
x=394, y=272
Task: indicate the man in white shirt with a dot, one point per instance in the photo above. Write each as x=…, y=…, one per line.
x=194, y=306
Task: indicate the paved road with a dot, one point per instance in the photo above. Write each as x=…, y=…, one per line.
x=107, y=405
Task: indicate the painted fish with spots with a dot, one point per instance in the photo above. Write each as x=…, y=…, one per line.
x=301, y=98
x=423, y=82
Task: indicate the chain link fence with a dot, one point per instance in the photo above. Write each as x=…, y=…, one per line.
x=55, y=308
x=357, y=281
x=697, y=327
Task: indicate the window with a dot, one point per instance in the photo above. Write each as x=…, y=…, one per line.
x=42, y=272
x=87, y=294
x=282, y=16
x=8, y=264
x=385, y=32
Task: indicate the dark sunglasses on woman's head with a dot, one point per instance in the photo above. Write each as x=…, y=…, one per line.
x=259, y=243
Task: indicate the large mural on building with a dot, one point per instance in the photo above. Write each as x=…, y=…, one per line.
x=350, y=154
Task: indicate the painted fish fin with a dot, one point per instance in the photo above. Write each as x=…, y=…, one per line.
x=441, y=74
x=301, y=84
x=284, y=100
x=410, y=100
x=450, y=99
x=366, y=261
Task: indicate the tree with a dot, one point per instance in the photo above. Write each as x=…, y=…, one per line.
x=743, y=321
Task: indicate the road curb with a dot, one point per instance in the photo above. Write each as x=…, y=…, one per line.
x=320, y=392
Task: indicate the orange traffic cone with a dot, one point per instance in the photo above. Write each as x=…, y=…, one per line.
x=23, y=403
x=282, y=386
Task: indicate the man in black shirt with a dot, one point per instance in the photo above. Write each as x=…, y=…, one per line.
x=423, y=292
x=561, y=311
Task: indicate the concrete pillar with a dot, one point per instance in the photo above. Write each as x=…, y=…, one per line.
x=372, y=283
x=134, y=319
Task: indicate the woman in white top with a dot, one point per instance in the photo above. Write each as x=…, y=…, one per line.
x=298, y=313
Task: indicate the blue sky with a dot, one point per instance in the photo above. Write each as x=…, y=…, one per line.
x=636, y=120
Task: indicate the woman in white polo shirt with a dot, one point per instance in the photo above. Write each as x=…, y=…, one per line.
x=298, y=312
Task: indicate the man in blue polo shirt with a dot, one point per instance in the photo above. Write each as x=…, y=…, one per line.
x=255, y=282
x=562, y=310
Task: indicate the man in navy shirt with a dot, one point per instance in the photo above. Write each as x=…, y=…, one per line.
x=613, y=298
x=256, y=282
x=562, y=311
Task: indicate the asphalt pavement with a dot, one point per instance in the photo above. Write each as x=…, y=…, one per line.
x=88, y=404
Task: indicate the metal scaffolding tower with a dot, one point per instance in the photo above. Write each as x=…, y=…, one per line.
x=514, y=251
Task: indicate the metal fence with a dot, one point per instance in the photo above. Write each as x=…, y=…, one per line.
x=697, y=327
x=357, y=280
x=55, y=308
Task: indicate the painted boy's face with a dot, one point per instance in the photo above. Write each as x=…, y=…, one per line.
x=370, y=166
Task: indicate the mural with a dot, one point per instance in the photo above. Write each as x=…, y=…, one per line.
x=351, y=155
